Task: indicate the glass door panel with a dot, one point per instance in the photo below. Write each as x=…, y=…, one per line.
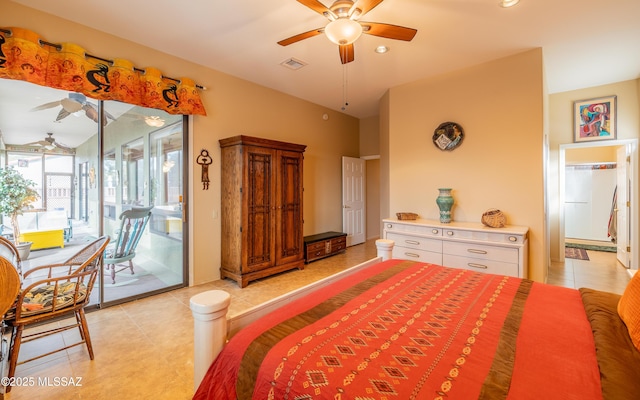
x=143, y=168
x=50, y=148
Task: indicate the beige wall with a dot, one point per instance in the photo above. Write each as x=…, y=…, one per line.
x=370, y=150
x=234, y=107
x=500, y=162
x=385, y=164
x=561, y=133
x=590, y=155
x=370, y=136
x=373, y=216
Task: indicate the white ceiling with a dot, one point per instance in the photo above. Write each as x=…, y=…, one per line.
x=585, y=42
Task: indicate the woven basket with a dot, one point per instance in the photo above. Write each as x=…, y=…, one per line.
x=404, y=216
x=494, y=218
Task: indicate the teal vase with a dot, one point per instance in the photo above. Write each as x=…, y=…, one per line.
x=445, y=203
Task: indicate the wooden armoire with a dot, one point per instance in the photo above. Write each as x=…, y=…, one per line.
x=262, y=232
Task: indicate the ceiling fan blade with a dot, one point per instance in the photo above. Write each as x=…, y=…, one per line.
x=71, y=105
x=62, y=146
x=316, y=6
x=62, y=115
x=364, y=6
x=38, y=143
x=90, y=111
x=346, y=53
x=300, y=36
x=46, y=106
x=388, y=31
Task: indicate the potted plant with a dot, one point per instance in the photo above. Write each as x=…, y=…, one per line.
x=16, y=195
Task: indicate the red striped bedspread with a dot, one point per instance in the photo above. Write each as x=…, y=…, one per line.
x=409, y=330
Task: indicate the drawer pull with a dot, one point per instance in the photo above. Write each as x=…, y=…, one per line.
x=434, y=231
x=389, y=226
x=414, y=255
x=476, y=251
x=513, y=239
x=412, y=242
x=318, y=253
x=450, y=233
x=474, y=265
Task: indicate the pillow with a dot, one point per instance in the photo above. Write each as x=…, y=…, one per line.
x=629, y=309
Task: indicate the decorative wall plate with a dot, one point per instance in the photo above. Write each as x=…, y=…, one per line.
x=448, y=136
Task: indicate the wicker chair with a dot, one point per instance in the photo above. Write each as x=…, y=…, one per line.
x=123, y=248
x=8, y=250
x=9, y=285
x=58, y=290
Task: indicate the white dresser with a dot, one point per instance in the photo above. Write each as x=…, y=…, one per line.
x=468, y=245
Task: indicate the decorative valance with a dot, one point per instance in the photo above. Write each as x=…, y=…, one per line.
x=25, y=56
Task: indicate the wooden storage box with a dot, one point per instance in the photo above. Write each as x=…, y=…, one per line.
x=324, y=245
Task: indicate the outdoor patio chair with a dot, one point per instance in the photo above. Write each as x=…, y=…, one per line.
x=123, y=248
x=55, y=291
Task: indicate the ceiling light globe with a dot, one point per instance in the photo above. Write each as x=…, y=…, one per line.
x=343, y=31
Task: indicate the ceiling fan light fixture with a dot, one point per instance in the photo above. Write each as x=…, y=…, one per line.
x=343, y=31
x=154, y=121
x=508, y=3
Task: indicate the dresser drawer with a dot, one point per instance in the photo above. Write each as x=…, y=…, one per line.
x=405, y=253
x=413, y=229
x=315, y=250
x=479, y=265
x=481, y=252
x=484, y=235
x=338, y=244
x=415, y=242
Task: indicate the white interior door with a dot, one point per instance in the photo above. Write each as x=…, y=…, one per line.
x=353, y=199
x=621, y=210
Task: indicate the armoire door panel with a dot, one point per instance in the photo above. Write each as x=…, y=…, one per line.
x=259, y=210
x=288, y=226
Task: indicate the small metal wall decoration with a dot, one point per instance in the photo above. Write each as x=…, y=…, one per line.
x=204, y=159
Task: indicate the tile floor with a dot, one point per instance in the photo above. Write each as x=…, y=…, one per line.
x=144, y=349
x=601, y=272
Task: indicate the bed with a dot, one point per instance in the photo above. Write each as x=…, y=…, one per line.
x=398, y=329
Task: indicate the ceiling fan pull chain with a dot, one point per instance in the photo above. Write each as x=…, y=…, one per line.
x=345, y=84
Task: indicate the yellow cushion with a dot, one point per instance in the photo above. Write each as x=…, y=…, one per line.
x=629, y=309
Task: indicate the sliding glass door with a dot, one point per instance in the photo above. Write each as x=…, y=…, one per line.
x=143, y=157
x=90, y=170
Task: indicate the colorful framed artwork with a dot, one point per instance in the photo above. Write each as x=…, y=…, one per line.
x=594, y=119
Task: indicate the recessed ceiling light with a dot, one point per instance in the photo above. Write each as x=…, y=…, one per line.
x=508, y=3
x=381, y=49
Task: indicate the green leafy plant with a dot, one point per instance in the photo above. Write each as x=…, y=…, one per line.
x=16, y=195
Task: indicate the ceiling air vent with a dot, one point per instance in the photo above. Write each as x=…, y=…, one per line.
x=293, y=63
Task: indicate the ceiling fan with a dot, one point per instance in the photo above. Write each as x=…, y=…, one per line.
x=345, y=28
x=75, y=103
x=49, y=143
